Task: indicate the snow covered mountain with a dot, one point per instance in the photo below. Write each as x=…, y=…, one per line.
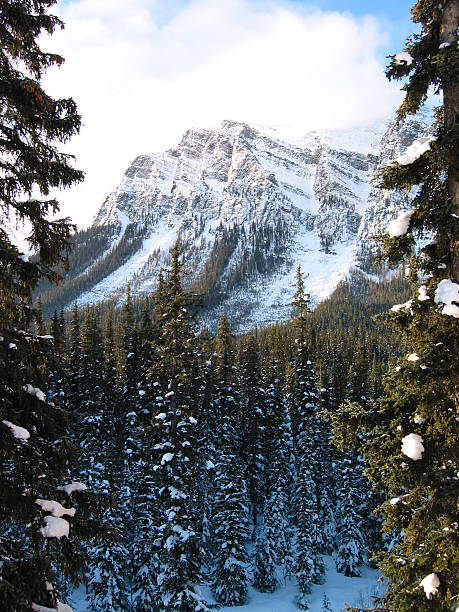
x=249, y=205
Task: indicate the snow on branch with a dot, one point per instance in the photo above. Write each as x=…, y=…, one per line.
x=73, y=486
x=18, y=432
x=422, y=291
x=412, y=446
x=430, y=585
x=55, y=527
x=38, y=393
x=399, y=226
x=166, y=458
x=403, y=58
x=415, y=150
x=55, y=508
x=405, y=306
x=446, y=293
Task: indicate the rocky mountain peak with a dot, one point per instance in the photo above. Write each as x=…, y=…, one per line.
x=248, y=205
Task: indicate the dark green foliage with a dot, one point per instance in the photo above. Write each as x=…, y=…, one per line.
x=420, y=400
x=32, y=125
x=172, y=409
x=230, y=508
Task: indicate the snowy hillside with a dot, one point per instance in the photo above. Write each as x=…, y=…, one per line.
x=249, y=205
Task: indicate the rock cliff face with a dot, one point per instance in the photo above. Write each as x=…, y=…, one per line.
x=248, y=207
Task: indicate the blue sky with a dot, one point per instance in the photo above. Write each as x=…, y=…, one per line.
x=144, y=71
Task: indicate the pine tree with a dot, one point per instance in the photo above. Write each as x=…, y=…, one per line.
x=230, y=511
x=350, y=553
x=273, y=537
x=411, y=432
x=36, y=454
x=304, y=405
x=178, y=583
x=252, y=410
x=90, y=417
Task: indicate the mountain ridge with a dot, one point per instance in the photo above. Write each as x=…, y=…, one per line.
x=248, y=208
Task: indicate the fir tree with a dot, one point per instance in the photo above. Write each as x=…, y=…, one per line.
x=252, y=410
x=411, y=432
x=350, y=553
x=304, y=405
x=273, y=538
x=178, y=583
x=230, y=511
x=36, y=455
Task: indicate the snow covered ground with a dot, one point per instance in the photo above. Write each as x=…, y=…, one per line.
x=339, y=590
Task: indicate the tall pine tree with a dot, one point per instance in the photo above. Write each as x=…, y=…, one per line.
x=36, y=539
x=411, y=433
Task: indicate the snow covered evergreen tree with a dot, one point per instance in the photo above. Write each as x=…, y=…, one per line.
x=252, y=410
x=304, y=404
x=411, y=433
x=107, y=578
x=350, y=499
x=38, y=533
x=230, y=511
x=178, y=583
x=273, y=547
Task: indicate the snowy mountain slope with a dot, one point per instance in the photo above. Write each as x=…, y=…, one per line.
x=248, y=206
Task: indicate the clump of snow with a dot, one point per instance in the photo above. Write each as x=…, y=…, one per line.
x=166, y=458
x=412, y=446
x=55, y=527
x=18, y=432
x=405, y=306
x=54, y=507
x=444, y=45
x=399, y=226
x=176, y=493
x=413, y=357
x=403, y=58
x=11, y=345
x=209, y=465
x=161, y=416
x=38, y=393
x=415, y=150
x=422, y=291
x=418, y=419
x=141, y=392
x=430, y=585
x=446, y=293
x=394, y=501
x=73, y=486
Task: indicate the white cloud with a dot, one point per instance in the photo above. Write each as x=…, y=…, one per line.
x=141, y=79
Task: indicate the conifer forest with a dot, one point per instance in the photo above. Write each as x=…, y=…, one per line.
x=151, y=460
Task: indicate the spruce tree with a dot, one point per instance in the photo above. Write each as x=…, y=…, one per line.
x=178, y=582
x=230, y=508
x=304, y=405
x=252, y=411
x=36, y=541
x=273, y=537
x=411, y=432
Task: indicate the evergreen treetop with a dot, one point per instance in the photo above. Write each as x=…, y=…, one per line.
x=31, y=125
